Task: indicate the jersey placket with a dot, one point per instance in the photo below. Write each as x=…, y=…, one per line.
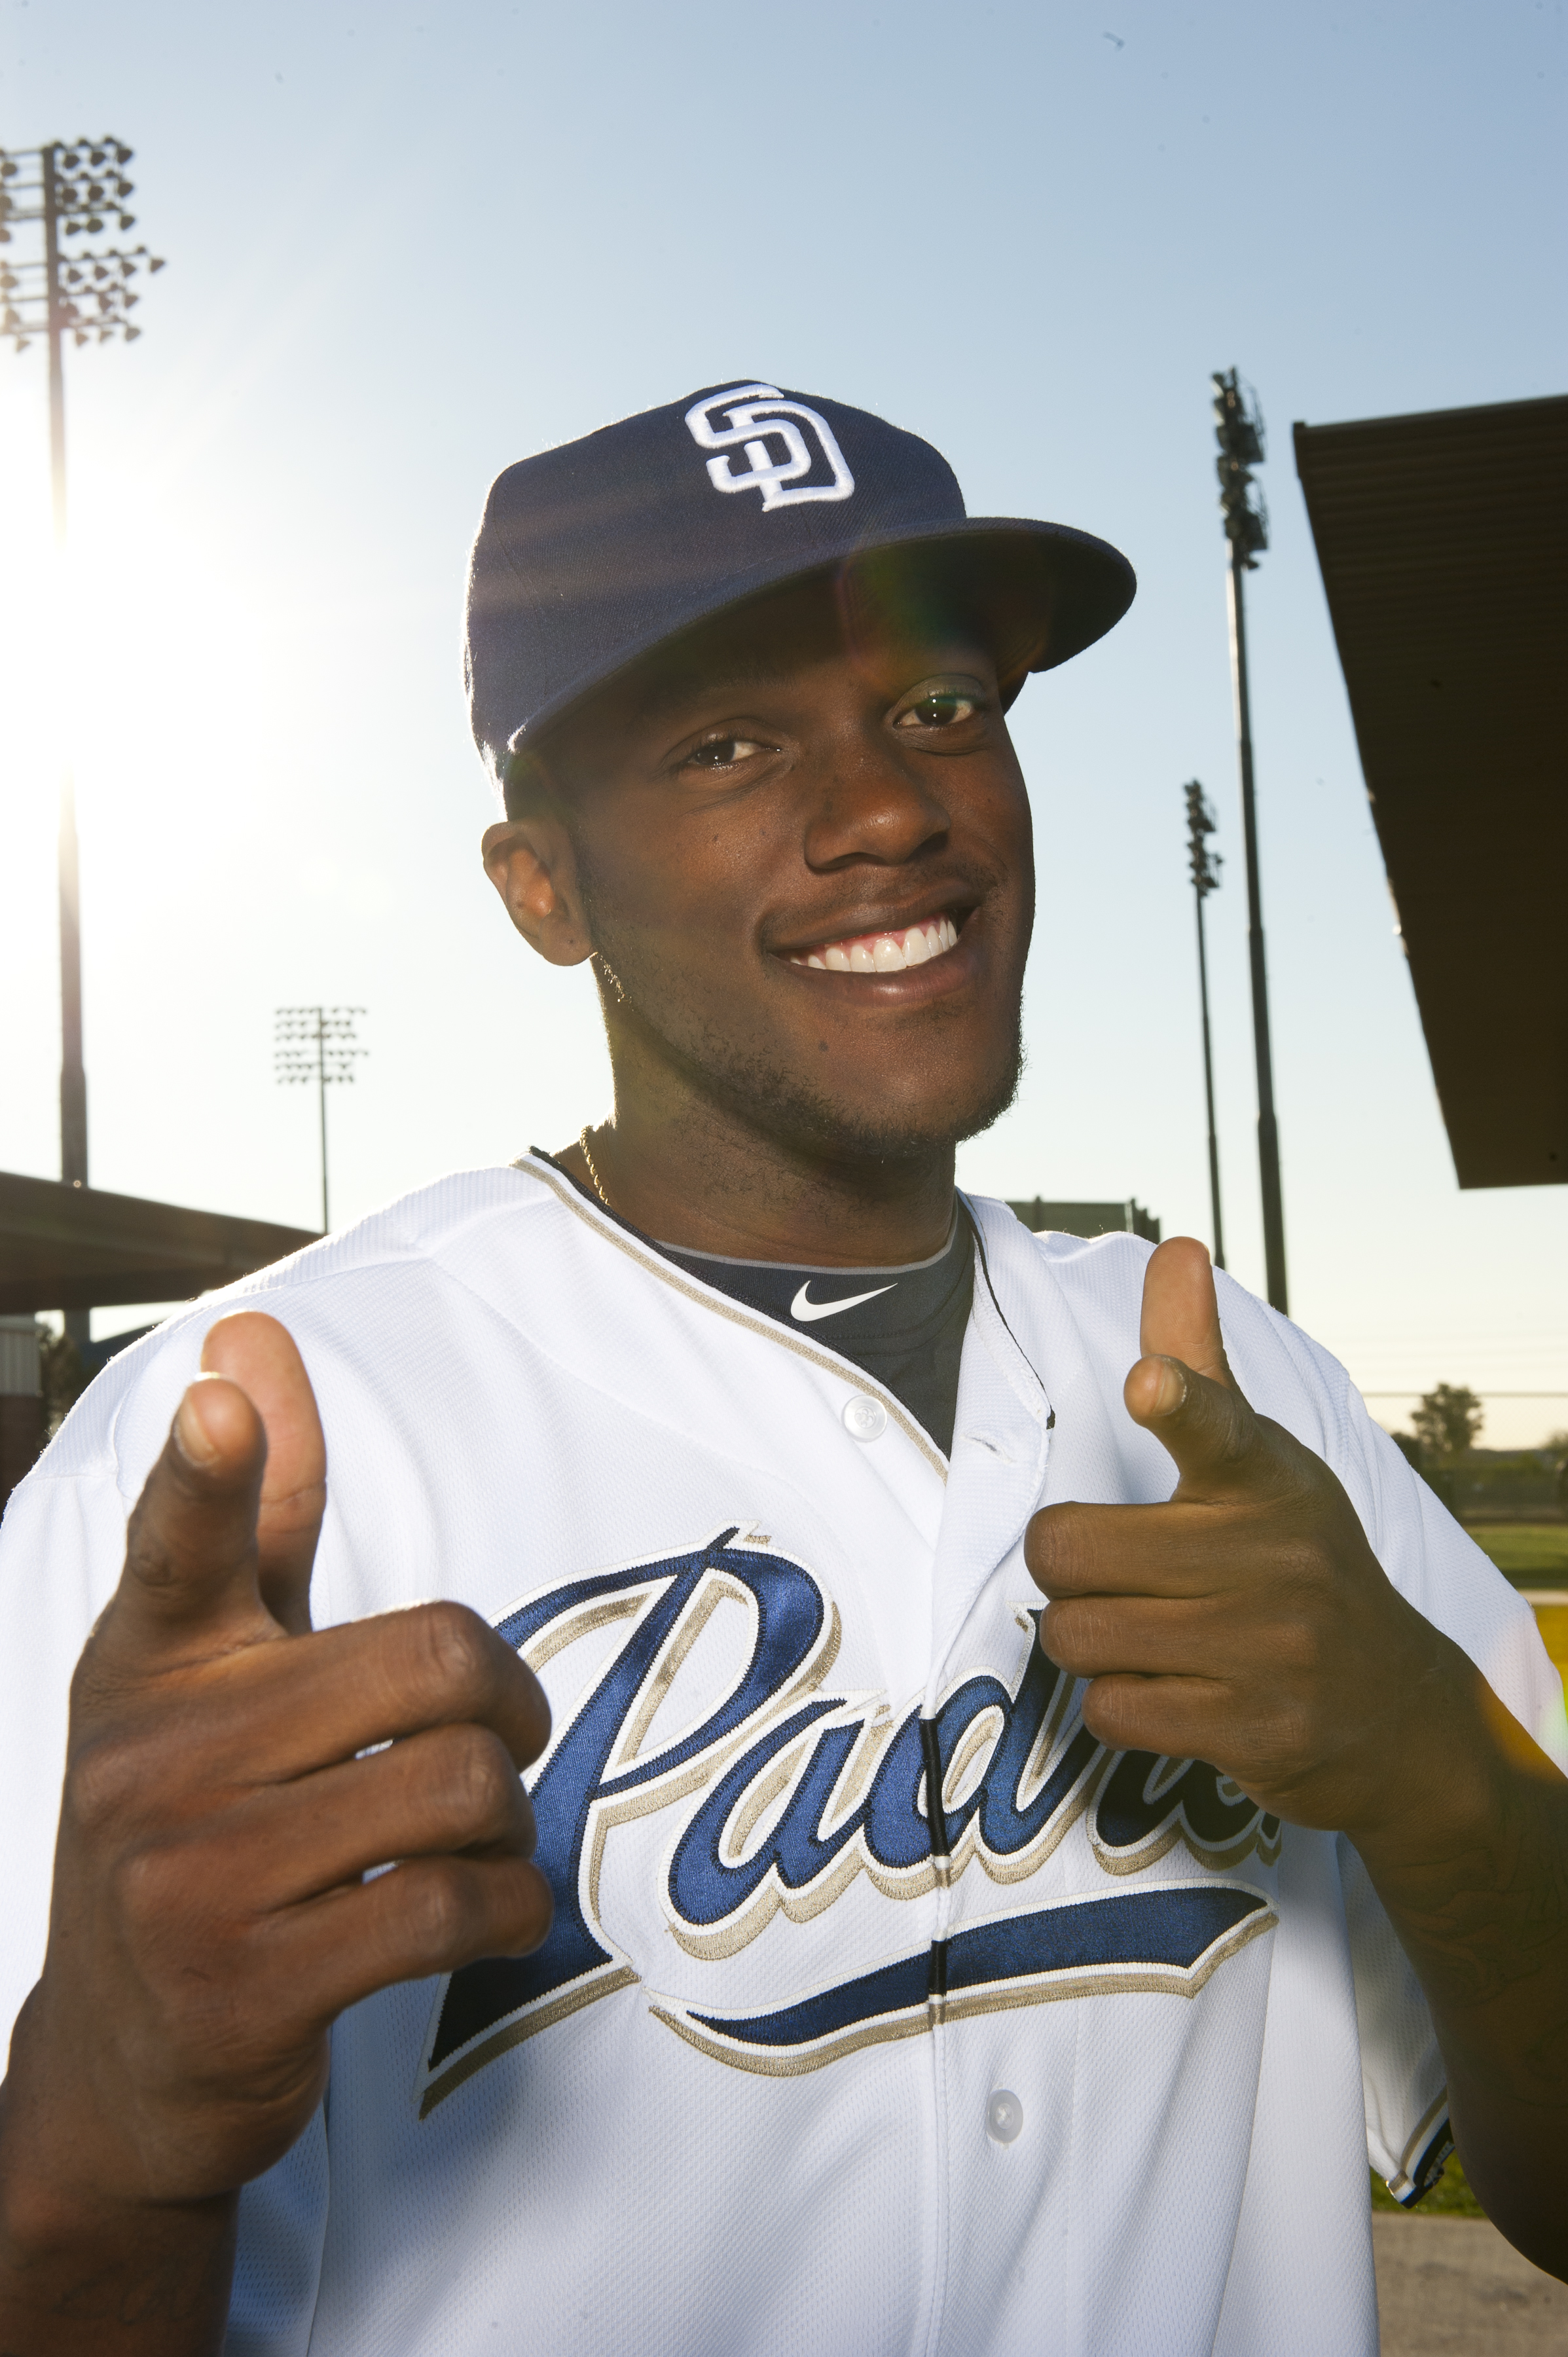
x=996, y=1479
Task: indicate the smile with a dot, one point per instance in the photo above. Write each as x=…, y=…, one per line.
x=883, y=952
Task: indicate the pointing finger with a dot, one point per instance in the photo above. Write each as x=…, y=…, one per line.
x=190, y=1550
x=395, y=1676
x=1180, y=1317
x=1206, y=1426
x=259, y=1354
x=1182, y=1389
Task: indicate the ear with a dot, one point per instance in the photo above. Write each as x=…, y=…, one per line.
x=529, y=861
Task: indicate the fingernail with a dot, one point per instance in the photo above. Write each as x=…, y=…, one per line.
x=190, y=1435
x=1173, y=1388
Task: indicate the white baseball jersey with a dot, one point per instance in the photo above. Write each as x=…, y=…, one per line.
x=1084, y=2062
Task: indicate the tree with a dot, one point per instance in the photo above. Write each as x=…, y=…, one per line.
x=1557, y=1453
x=1447, y=1422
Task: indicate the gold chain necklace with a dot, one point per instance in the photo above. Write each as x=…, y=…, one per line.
x=598, y=1183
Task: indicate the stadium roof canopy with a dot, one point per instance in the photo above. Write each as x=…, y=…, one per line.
x=1444, y=544
x=78, y=1248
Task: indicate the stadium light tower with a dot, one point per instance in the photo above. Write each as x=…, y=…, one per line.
x=70, y=190
x=1240, y=432
x=316, y=1043
x=1206, y=865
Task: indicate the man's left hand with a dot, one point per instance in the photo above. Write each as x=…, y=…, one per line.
x=1246, y=1622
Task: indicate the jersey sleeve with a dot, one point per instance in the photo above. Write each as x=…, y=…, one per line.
x=1437, y=1567
x=277, y=2262
x=61, y=1544
x=1402, y=2086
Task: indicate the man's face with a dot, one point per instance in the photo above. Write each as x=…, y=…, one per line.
x=804, y=850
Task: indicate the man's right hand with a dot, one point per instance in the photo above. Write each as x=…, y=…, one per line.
x=231, y=1779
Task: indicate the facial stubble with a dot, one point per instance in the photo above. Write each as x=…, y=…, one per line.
x=653, y=1018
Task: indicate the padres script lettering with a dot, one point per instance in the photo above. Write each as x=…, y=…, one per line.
x=794, y=1790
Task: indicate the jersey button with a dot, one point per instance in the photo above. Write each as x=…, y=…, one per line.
x=864, y=1420
x=1003, y=2116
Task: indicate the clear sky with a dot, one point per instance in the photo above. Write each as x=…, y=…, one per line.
x=409, y=243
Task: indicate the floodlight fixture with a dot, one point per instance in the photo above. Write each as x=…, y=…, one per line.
x=69, y=190
x=316, y=1044
x=1238, y=430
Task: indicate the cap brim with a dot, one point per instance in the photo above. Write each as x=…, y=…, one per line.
x=1040, y=593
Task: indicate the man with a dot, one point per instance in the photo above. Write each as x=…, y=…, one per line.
x=971, y=1899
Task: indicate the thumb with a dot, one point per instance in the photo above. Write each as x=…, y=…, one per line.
x=262, y=1357
x=1181, y=1388
x=1181, y=1310
x=190, y=1542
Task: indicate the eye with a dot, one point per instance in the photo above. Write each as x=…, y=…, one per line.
x=943, y=707
x=724, y=752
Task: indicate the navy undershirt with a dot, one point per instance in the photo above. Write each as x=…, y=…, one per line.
x=904, y=1327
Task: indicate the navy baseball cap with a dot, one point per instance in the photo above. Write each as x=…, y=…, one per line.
x=590, y=555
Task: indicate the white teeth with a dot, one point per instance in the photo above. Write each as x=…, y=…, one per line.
x=884, y=952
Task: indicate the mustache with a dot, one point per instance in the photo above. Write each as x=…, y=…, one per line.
x=956, y=889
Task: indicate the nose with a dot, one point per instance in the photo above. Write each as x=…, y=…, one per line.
x=872, y=806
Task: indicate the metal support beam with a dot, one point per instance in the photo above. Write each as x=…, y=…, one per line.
x=1268, y=1127
x=1240, y=433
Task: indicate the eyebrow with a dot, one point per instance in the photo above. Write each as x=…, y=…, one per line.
x=687, y=678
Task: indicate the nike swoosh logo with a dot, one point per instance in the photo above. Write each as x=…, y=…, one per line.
x=806, y=1310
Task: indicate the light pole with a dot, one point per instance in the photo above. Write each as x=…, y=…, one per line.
x=70, y=190
x=1206, y=865
x=316, y=1043
x=1240, y=433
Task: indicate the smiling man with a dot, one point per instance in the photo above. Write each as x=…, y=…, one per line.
x=1025, y=1789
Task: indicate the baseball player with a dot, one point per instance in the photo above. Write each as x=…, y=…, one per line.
x=699, y=1744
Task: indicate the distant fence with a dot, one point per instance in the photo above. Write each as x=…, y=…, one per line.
x=1498, y=1493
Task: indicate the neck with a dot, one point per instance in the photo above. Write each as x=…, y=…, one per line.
x=701, y=1175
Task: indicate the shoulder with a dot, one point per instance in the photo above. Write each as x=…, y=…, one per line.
x=390, y=1281
x=1048, y=1284
x=1045, y=1282
x=1098, y=1273
x=1098, y=1283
